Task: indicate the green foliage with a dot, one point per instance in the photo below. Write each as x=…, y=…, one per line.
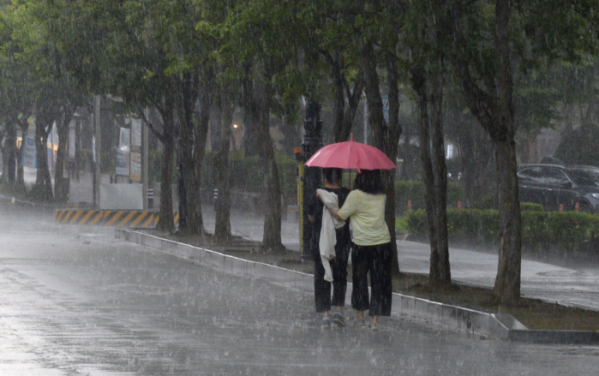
x=531, y=206
x=486, y=202
x=401, y=224
x=543, y=233
x=413, y=190
x=246, y=173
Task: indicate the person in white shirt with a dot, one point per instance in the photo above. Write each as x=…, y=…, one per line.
x=338, y=264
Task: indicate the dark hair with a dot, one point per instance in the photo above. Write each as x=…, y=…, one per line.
x=370, y=181
x=332, y=175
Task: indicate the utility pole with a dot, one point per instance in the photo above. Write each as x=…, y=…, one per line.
x=144, y=161
x=98, y=151
x=311, y=179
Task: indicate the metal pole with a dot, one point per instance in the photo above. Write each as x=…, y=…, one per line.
x=300, y=193
x=97, y=173
x=312, y=142
x=144, y=161
x=365, y=121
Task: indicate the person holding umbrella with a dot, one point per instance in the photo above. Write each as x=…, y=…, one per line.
x=371, y=250
x=334, y=271
x=365, y=209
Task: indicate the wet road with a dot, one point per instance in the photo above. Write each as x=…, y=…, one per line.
x=75, y=301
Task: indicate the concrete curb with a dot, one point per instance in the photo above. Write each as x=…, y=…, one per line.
x=460, y=319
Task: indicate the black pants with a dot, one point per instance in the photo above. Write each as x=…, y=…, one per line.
x=322, y=288
x=376, y=260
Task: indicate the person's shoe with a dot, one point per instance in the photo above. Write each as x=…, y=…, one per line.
x=339, y=320
x=360, y=323
x=326, y=323
x=374, y=326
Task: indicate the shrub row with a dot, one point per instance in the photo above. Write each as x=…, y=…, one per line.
x=413, y=190
x=543, y=233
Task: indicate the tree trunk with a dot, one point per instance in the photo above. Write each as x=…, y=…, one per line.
x=344, y=117
x=203, y=115
x=11, y=151
x=166, y=221
x=24, y=125
x=494, y=110
x=440, y=272
x=507, y=282
x=385, y=137
x=190, y=221
x=61, y=184
x=43, y=180
x=250, y=140
x=222, y=227
x=419, y=85
x=261, y=97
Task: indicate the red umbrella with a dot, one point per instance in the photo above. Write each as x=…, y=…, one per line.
x=351, y=155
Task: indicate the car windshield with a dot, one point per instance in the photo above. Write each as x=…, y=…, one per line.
x=585, y=177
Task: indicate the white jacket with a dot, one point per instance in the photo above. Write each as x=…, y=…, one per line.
x=328, y=237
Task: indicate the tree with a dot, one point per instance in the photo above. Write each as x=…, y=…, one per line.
x=19, y=87
x=425, y=35
x=526, y=33
x=260, y=48
x=139, y=51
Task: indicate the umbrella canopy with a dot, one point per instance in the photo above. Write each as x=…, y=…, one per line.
x=350, y=155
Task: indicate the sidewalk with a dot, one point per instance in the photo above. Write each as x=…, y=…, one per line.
x=568, y=286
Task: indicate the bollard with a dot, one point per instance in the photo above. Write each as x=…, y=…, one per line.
x=409, y=204
x=459, y=205
x=577, y=206
x=561, y=208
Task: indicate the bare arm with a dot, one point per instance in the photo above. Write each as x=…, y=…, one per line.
x=335, y=213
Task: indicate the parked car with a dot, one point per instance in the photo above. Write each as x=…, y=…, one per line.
x=552, y=185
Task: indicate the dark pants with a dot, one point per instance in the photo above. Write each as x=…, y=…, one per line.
x=376, y=260
x=322, y=288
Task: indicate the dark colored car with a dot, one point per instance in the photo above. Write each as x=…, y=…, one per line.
x=552, y=185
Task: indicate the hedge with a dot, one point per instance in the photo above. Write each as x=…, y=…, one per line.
x=543, y=233
x=413, y=190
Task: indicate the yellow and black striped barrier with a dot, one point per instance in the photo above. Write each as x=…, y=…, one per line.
x=116, y=218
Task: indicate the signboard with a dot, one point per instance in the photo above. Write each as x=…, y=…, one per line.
x=125, y=139
x=72, y=140
x=122, y=153
x=122, y=162
x=135, y=173
x=135, y=133
x=29, y=157
x=121, y=197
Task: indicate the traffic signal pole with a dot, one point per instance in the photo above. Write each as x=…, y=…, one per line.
x=310, y=180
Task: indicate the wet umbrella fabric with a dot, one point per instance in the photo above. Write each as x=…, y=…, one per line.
x=351, y=155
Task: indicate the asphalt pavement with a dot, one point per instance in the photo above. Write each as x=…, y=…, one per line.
x=76, y=301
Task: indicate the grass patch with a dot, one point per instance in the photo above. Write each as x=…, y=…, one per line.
x=533, y=313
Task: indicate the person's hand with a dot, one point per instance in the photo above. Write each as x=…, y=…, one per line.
x=317, y=195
